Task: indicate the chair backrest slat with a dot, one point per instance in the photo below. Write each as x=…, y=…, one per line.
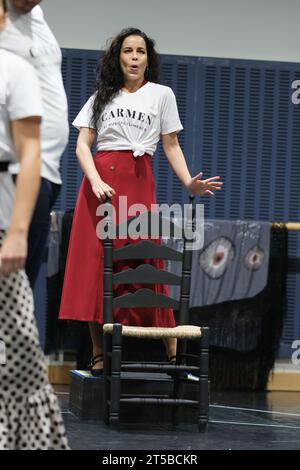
x=146, y=274
x=145, y=298
x=147, y=249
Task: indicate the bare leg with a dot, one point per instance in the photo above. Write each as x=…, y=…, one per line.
x=96, y=336
x=171, y=346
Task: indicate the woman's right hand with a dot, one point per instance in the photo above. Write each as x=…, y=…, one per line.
x=102, y=190
x=13, y=253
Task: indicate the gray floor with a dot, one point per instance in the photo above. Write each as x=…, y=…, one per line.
x=238, y=420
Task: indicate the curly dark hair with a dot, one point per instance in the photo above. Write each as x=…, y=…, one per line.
x=109, y=76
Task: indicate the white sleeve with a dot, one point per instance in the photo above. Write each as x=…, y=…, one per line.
x=169, y=120
x=83, y=118
x=24, y=96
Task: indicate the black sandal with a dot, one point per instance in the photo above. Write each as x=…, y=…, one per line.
x=172, y=361
x=95, y=360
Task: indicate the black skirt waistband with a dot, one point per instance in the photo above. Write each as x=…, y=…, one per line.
x=4, y=166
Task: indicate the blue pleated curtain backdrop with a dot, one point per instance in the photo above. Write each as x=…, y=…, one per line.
x=239, y=122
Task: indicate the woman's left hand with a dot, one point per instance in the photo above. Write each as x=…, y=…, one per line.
x=199, y=187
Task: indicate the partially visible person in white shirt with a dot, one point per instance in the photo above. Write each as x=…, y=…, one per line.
x=20, y=118
x=30, y=417
x=28, y=35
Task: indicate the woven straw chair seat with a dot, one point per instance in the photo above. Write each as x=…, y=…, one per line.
x=183, y=331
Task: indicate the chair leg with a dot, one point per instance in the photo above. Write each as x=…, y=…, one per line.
x=107, y=350
x=203, y=396
x=115, y=384
x=178, y=385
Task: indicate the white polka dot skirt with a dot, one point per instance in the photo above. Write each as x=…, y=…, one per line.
x=30, y=417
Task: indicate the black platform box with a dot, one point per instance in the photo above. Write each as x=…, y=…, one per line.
x=86, y=393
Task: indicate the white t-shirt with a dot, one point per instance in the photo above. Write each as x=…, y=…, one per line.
x=30, y=37
x=134, y=121
x=19, y=98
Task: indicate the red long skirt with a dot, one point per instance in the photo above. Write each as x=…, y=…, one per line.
x=82, y=296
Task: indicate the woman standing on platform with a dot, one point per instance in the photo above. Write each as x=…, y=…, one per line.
x=29, y=413
x=127, y=115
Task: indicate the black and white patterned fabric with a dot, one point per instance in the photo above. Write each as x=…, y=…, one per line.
x=30, y=417
x=232, y=264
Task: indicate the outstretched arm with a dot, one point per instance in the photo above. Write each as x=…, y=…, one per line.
x=176, y=159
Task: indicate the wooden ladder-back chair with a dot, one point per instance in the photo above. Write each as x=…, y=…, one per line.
x=113, y=333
